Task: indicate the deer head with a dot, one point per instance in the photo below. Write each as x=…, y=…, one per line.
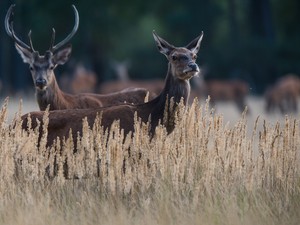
x=42, y=66
x=182, y=60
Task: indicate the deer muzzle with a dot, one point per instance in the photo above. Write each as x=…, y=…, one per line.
x=40, y=83
x=191, y=67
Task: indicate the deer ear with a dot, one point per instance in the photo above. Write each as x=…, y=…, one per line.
x=163, y=46
x=25, y=54
x=194, y=46
x=62, y=56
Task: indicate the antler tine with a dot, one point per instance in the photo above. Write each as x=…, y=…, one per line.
x=68, y=38
x=18, y=41
x=10, y=30
x=52, y=39
x=30, y=41
x=7, y=18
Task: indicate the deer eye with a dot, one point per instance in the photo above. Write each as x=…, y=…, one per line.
x=195, y=57
x=31, y=68
x=51, y=68
x=174, y=57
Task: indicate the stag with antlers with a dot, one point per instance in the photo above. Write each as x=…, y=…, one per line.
x=182, y=67
x=42, y=70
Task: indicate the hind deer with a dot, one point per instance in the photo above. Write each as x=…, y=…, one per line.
x=154, y=86
x=283, y=95
x=83, y=80
x=181, y=68
x=42, y=71
x=232, y=90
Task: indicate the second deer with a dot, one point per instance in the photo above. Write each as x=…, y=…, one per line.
x=42, y=70
x=181, y=68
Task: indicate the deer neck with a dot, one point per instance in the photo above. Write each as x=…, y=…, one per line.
x=52, y=96
x=174, y=90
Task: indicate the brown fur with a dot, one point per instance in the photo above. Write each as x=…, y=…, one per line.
x=83, y=80
x=283, y=95
x=58, y=100
x=234, y=90
x=42, y=71
x=181, y=68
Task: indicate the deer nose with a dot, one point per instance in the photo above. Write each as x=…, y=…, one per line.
x=40, y=82
x=193, y=66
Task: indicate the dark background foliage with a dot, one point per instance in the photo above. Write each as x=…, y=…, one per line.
x=253, y=40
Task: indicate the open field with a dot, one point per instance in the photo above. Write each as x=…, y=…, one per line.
x=220, y=168
x=227, y=109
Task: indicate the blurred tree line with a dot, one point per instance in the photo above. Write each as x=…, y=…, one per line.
x=254, y=40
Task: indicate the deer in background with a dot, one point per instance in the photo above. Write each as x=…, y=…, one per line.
x=181, y=68
x=233, y=90
x=80, y=81
x=42, y=71
x=154, y=86
x=283, y=95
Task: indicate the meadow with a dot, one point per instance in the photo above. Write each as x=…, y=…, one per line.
x=216, y=167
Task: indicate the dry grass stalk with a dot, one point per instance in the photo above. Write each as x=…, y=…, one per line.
x=203, y=168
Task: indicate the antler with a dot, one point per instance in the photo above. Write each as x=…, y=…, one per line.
x=68, y=38
x=10, y=30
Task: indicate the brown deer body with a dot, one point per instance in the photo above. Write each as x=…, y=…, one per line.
x=42, y=70
x=83, y=80
x=283, y=95
x=235, y=91
x=181, y=68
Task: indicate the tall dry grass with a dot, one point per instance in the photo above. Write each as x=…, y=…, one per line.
x=204, y=172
